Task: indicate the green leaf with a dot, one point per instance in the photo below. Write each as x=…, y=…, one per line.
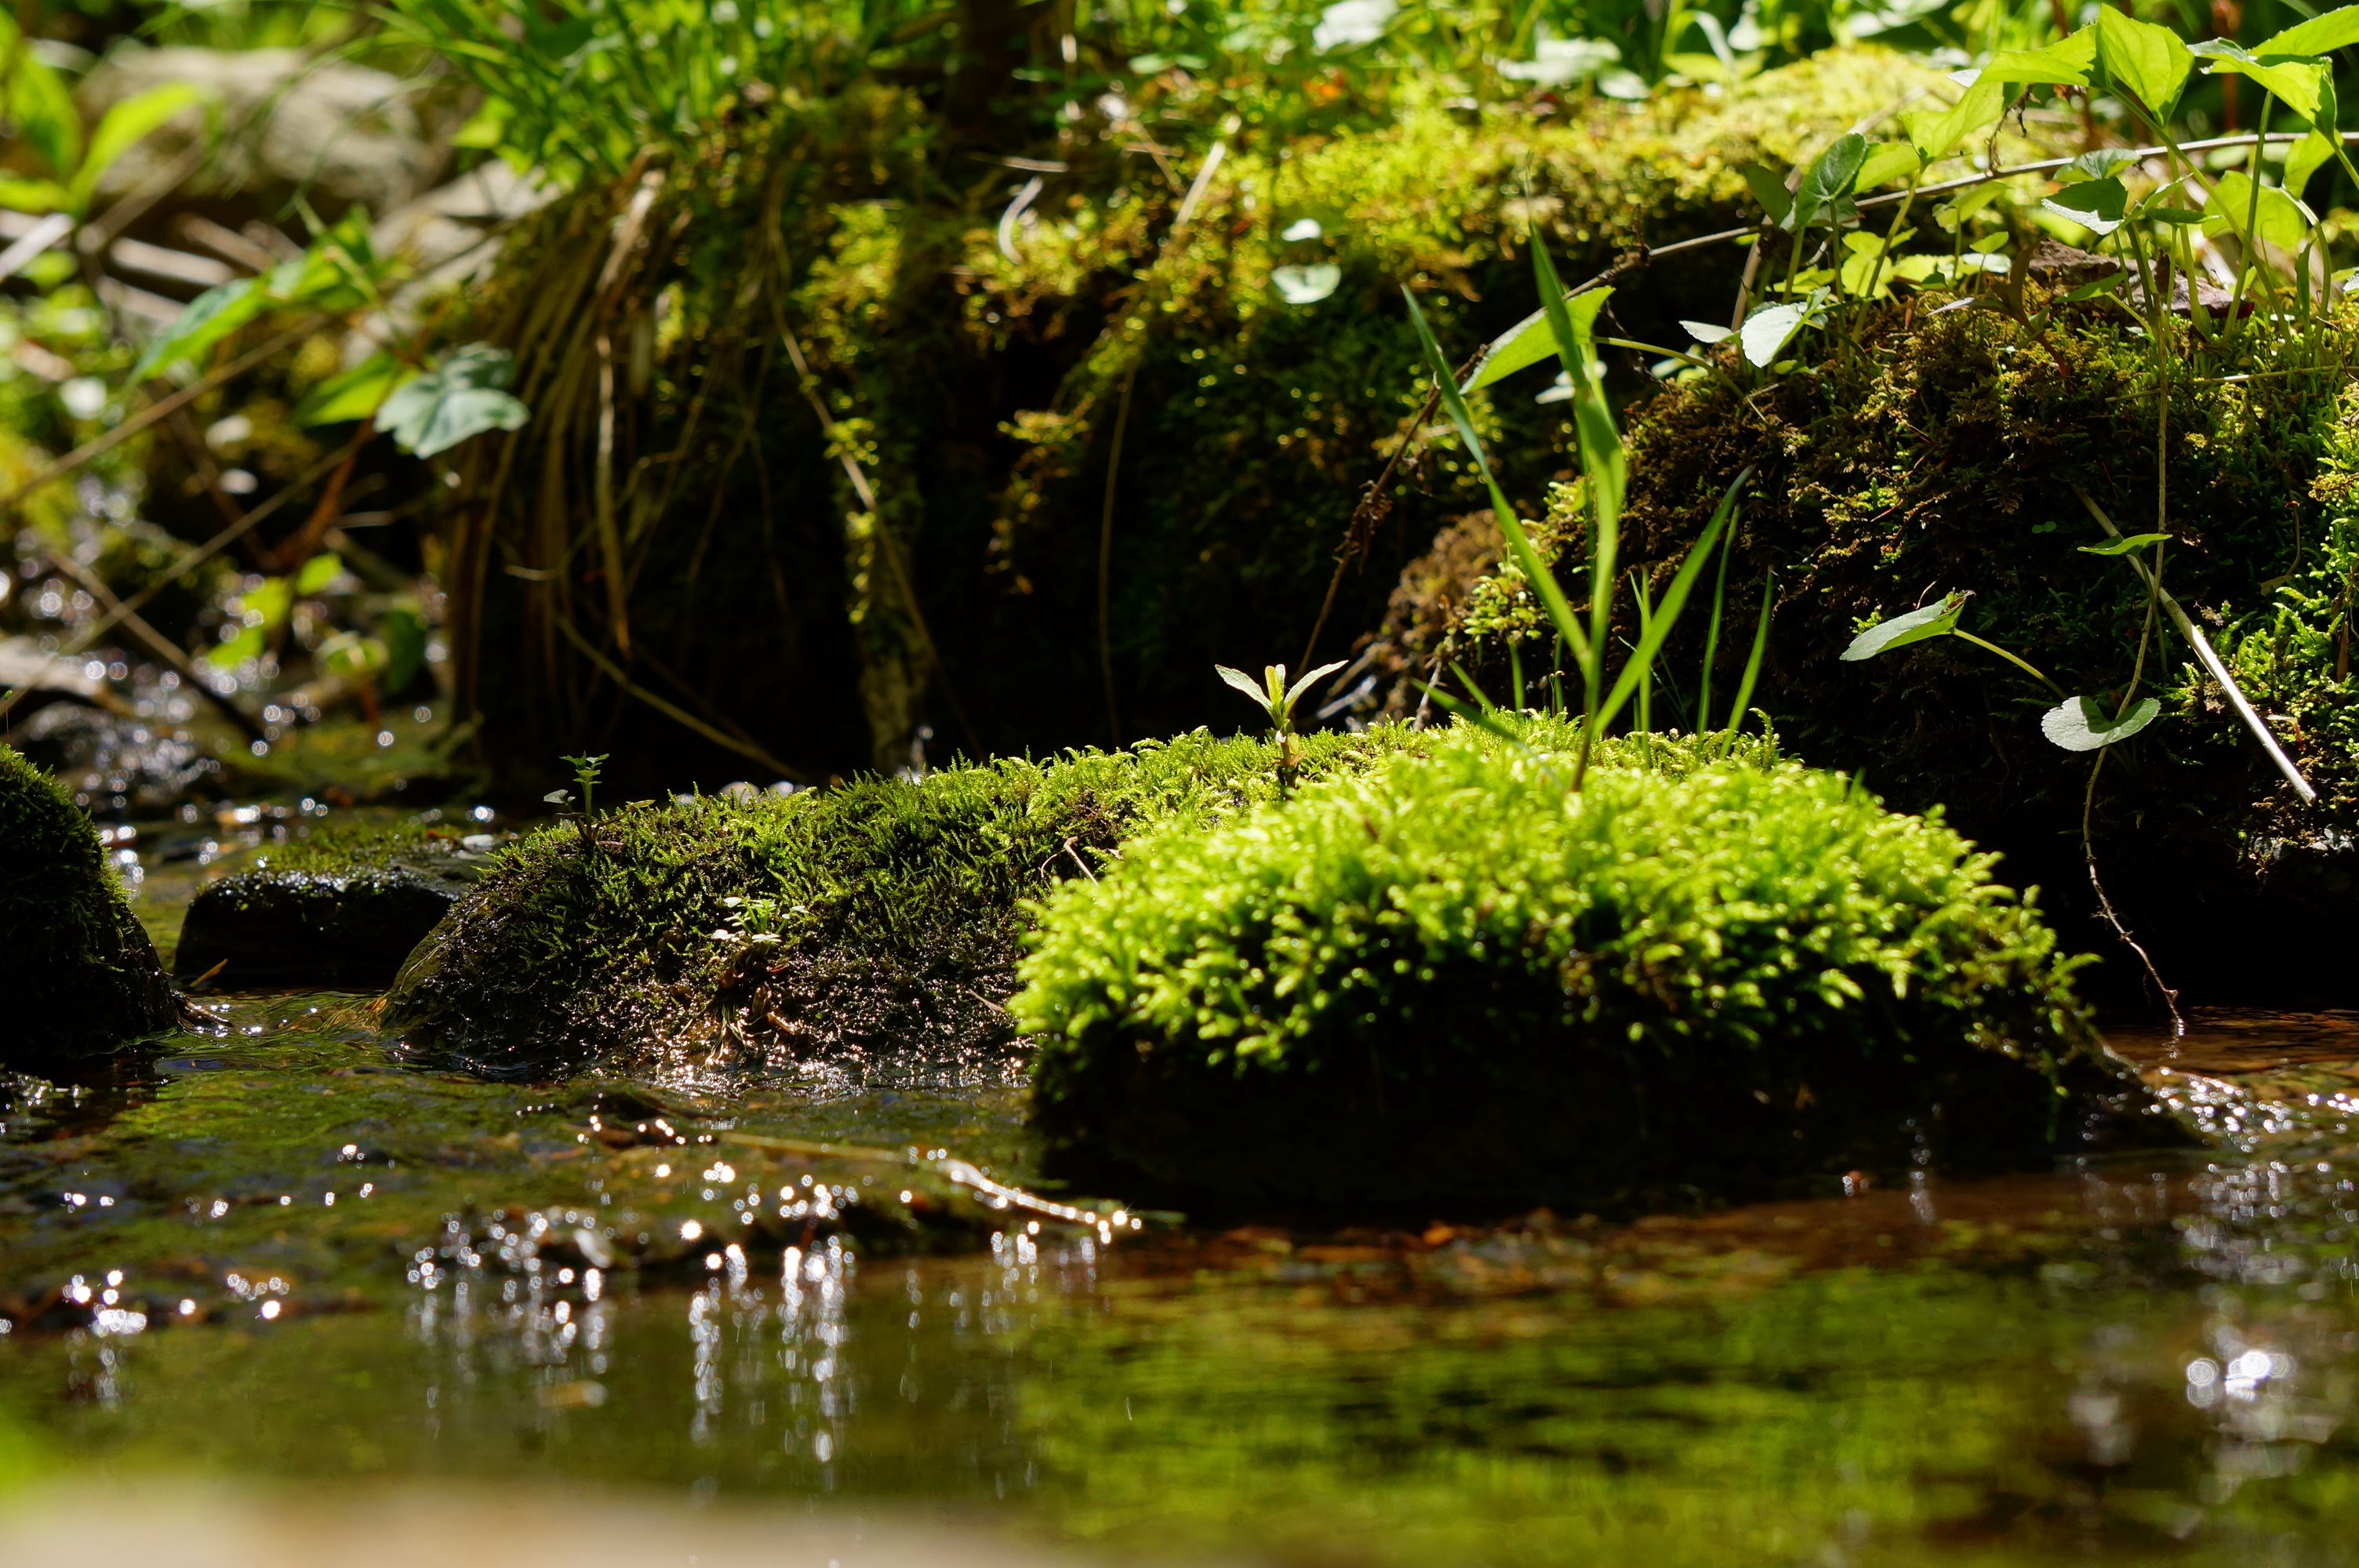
x=2299, y=82
x=317, y=573
x=463, y=396
x=1768, y=330
x=350, y=655
x=1933, y=620
x=210, y=317
x=1768, y=189
x=1706, y=332
x=2097, y=205
x=32, y=195
x=2309, y=155
x=404, y=634
x=2078, y=724
x=1528, y=341
x=354, y=394
x=2064, y=63
x=2123, y=545
x=2281, y=221
x=124, y=128
x=1936, y=134
x=1888, y=160
x=41, y=106
x=1250, y=687
x=2324, y=34
x=2149, y=61
x=246, y=645
x=1828, y=181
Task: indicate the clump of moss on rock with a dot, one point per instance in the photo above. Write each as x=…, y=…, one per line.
x=883, y=914
x=342, y=908
x=1451, y=981
x=77, y=969
x=1939, y=454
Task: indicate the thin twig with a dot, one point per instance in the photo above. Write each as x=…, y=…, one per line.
x=670, y=709
x=1105, y=555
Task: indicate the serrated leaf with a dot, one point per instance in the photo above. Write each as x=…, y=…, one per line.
x=1528, y=341
x=464, y=396
x=2123, y=545
x=1934, y=620
x=1768, y=330
x=2078, y=724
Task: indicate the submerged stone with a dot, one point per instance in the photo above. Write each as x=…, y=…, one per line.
x=77, y=969
x=1454, y=982
x=341, y=912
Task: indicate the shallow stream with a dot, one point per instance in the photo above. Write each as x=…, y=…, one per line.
x=275, y=1294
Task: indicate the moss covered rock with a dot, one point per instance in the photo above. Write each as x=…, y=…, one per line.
x=881, y=914
x=1449, y=981
x=77, y=968
x=337, y=910
x=1940, y=454
x=981, y=373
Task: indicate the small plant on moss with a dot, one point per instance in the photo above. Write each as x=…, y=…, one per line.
x=1449, y=975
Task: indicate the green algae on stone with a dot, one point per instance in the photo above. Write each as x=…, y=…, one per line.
x=1940, y=454
x=881, y=914
x=339, y=908
x=77, y=971
x=1449, y=981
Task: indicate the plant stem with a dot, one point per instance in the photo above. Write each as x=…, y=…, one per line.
x=2010, y=658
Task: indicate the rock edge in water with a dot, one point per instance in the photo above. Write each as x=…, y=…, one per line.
x=339, y=911
x=78, y=970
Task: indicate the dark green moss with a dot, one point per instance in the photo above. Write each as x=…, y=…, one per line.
x=1449, y=981
x=881, y=913
x=1942, y=456
x=77, y=972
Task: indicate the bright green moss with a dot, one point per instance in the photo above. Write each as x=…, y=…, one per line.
x=1449, y=980
x=1942, y=456
x=881, y=913
x=77, y=972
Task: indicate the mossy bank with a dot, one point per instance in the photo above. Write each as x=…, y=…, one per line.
x=1941, y=453
x=980, y=364
x=77, y=972
x=1451, y=981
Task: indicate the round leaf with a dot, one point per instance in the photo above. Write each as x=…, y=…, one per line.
x=2078, y=724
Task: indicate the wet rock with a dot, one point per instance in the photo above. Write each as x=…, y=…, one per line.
x=1453, y=983
x=77, y=972
x=342, y=916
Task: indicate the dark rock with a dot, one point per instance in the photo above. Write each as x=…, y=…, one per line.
x=347, y=929
x=78, y=970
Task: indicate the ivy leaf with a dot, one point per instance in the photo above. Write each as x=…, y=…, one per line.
x=2078, y=724
x=1916, y=626
x=2149, y=61
x=463, y=396
x=2123, y=545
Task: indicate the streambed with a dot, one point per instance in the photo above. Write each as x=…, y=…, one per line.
x=263, y=1274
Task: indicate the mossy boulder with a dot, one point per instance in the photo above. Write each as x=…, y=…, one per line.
x=882, y=915
x=1452, y=981
x=1940, y=453
x=341, y=909
x=981, y=375
x=78, y=970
